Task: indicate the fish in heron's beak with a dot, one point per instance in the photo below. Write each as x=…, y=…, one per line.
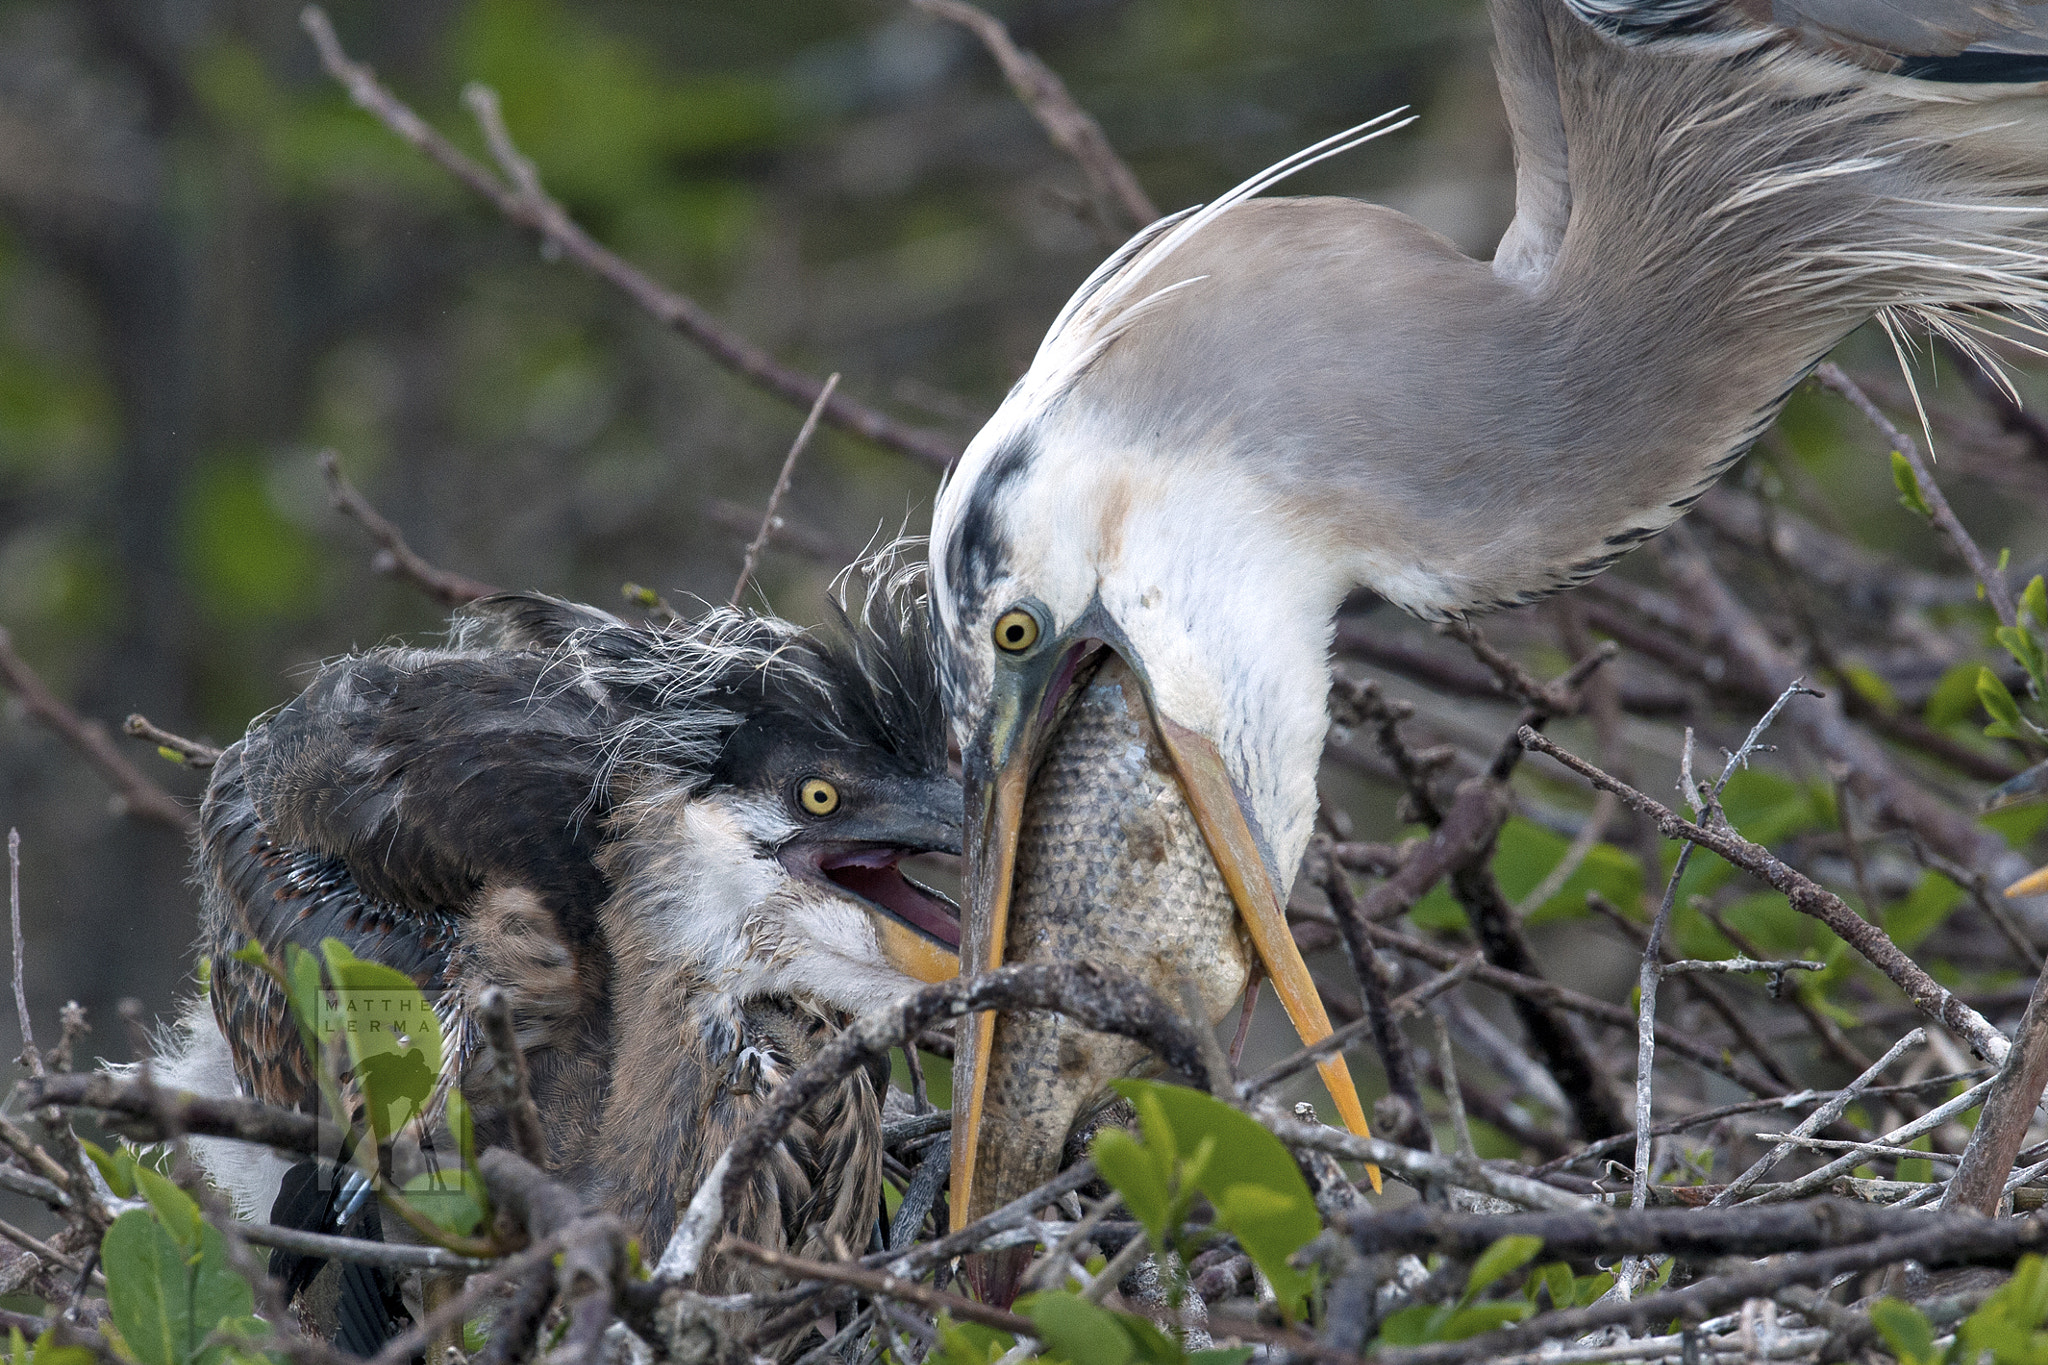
x=1100, y=831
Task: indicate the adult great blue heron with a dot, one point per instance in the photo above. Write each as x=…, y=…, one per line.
x=1258, y=406
x=675, y=849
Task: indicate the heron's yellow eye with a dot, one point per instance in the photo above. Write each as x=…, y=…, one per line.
x=1016, y=631
x=817, y=796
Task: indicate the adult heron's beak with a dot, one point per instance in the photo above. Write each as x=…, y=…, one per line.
x=1016, y=731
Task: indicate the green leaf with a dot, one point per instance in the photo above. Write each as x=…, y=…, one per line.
x=1414, y=1325
x=1470, y=1321
x=1872, y=687
x=1954, y=698
x=2021, y=644
x=164, y=1301
x=1910, y=496
x=1129, y=1168
x=173, y=1207
x=1221, y=1355
x=2006, y=721
x=1905, y=1329
x=1554, y=1278
x=452, y=1195
x=117, y=1168
x=1077, y=1330
x=968, y=1343
x=1258, y=1191
x=393, y=1037
x=1590, y=1289
x=2034, y=601
x=1504, y=1257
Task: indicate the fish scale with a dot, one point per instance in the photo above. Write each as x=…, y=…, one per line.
x=1112, y=869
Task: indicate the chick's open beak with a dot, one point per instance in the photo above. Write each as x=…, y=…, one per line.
x=1000, y=762
x=916, y=928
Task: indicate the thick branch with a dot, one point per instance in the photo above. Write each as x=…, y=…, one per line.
x=159, y=1113
x=2008, y=1111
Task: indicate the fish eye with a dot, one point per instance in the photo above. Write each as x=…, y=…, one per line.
x=817, y=796
x=1016, y=631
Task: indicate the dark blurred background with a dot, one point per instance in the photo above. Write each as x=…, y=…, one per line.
x=212, y=267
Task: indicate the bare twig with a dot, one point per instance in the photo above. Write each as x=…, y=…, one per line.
x=1775, y=967
x=391, y=1255
x=1817, y=1120
x=771, y=522
x=394, y=556
x=793, y=536
x=1072, y=129
x=1945, y=519
x=542, y=215
x=1411, y=1125
x=1601, y=1011
x=1934, y=1242
x=134, y=794
x=1422, y=1167
x=1818, y=1179
x=186, y=753
x=880, y=1283
x=31, y=1057
x=1808, y=897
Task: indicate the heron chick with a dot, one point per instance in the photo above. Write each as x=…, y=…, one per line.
x=675, y=849
x=1257, y=407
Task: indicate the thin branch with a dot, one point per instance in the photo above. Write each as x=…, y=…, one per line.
x=394, y=556
x=186, y=753
x=1806, y=896
x=1776, y=966
x=1116, y=191
x=1944, y=517
x=793, y=536
x=880, y=1283
x=1594, y=1150
x=134, y=794
x=539, y=214
x=770, y=521
x=1600, y=1011
x=1817, y=1120
x=1935, y=1242
x=1422, y=1167
x=390, y=1255
x=1816, y=1180
x=31, y=1056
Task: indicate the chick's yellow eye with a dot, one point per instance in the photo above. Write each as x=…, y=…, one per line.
x=1016, y=631
x=817, y=796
